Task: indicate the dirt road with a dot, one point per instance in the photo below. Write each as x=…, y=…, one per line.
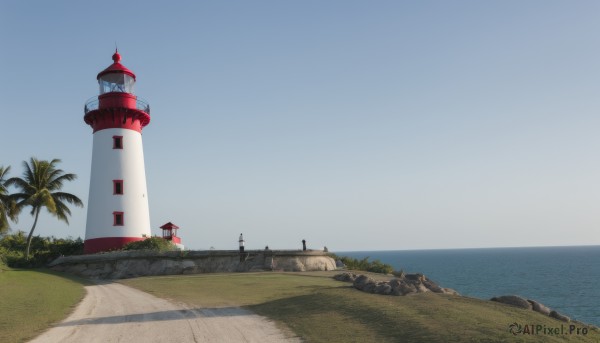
x=113, y=312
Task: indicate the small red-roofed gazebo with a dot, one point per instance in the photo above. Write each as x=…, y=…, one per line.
x=170, y=232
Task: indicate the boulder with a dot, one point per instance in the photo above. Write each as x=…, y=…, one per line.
x=362, y=280
x=383, y=288
x=402, y=285
x=537, y=307
x=370, y=286
x=415, y=277
x=432, y=286
x=513, y=300
x=450, y=291
x=345, y=277
x=421, y=288
x=559, y=316
x=530, y=305
x=365, y=284
x=395, y=283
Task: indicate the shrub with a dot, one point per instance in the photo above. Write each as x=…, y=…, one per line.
x=375, y=266
x=153, y=243
x=43, y=249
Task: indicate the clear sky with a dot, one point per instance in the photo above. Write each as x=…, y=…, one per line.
x=356, y=125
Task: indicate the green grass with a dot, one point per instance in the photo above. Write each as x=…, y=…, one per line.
x=31, y=300
x=319, y=309
x=221, y=290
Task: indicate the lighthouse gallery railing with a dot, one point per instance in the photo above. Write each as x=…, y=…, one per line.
x=92, y=105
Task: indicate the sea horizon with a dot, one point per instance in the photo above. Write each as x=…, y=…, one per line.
x=470, y=248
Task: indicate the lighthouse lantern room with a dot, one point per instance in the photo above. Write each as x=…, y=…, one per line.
x=118, y=201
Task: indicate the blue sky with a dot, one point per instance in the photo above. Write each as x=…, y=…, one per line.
x=354, y=125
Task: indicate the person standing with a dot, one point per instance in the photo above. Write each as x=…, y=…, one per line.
x=304, y=245
x=242, y=243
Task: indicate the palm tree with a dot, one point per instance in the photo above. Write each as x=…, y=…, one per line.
x=40, y=187
x=7, y=205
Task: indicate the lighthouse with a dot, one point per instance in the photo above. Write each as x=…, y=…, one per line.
x=118, y=199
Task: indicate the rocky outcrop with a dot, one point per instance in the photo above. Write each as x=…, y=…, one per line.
x=128, y=264
x=537, y=307
x=559, y=316
x=529, y=304
x=405, y=284
x=513, y=300
x=346, y=277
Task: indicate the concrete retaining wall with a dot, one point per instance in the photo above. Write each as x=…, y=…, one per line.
x=128, y=264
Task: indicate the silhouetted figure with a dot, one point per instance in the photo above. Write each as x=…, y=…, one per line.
x=303, y=245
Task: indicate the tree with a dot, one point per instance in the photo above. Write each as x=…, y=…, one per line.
x=39, y=188
x=7, y=205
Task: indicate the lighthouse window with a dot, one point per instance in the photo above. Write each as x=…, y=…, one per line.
x=118, y=219
x=116, y=82
x=117, y=186
x=117, y=142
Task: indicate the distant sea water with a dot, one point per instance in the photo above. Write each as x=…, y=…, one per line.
x=566, y=279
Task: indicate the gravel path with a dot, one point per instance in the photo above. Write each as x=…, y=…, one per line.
x=113, y=312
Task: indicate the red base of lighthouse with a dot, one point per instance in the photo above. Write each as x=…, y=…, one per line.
x=91, y=246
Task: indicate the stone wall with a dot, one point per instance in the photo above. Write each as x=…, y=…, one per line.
x=128, y=264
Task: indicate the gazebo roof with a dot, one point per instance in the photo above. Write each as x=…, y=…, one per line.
x=169, y=226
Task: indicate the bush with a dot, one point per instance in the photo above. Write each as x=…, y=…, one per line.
x=153, y=243
x=43, y=249
x=375, y=266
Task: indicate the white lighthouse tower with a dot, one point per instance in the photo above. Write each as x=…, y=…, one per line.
x=118, y=199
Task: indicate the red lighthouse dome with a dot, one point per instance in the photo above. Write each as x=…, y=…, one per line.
x=117, y=69
x=117, y=106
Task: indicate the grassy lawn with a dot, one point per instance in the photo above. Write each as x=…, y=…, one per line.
x=31, y=300
x=319, y=309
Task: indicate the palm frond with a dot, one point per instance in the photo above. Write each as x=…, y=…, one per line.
x=56, y=182
x=59, y=197
x=62, y=212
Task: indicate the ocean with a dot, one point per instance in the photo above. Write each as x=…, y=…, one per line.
x=566, y=279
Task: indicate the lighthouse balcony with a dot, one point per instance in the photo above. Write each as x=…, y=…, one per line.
x=94, y=104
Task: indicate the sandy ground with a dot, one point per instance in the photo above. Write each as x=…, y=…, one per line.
x=113, y=312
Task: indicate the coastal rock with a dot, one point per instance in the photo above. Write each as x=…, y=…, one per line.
x=537, y=307
x=450, y=291
x=339, y=264
x=408, y=289
x=383, y=288
x=556, y=315
x=529, y=304
x=345, y=277
x=369, y=286
x=432, y=286
x=395, y=285
x=421, y=288
x=361, y=281
x=513, y=300
x=404, y=285
x=415, y=277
